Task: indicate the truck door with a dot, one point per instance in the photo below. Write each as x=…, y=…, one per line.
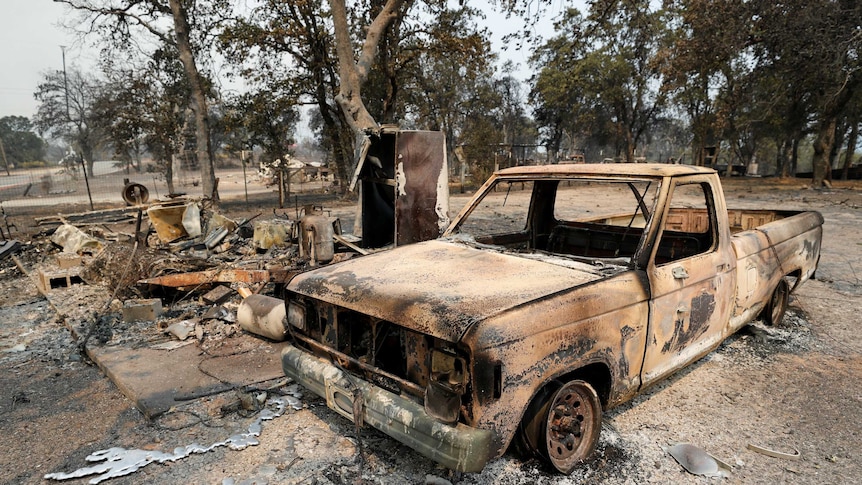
x=690, y=276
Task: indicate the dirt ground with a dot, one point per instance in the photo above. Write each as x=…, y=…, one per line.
x=792, y=387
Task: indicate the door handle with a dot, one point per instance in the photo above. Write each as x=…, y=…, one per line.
x=679, y=273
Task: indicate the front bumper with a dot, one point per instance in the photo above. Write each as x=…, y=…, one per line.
x=458, y=447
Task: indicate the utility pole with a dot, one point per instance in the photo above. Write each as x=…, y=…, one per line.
x=65, y=83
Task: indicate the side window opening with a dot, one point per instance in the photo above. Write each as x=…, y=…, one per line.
x=689, y=228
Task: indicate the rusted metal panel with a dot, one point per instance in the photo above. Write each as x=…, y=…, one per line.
x=687, y=318
x=224, y=275
x=404, y=196
x=602, y=323
x=745, y=219
x=605, y=169
x=754, y=267
x=417, y=355
x=210, y=276
x=791, y=227
x=766, y=254
x=168, y=221
x=422, y=190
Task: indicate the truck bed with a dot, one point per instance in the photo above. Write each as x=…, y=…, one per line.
x=693, y=220
x=609, y=236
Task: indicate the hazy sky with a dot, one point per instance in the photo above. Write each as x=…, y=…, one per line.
x=30, y=40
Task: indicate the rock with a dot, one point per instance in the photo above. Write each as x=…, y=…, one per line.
x=182, y=330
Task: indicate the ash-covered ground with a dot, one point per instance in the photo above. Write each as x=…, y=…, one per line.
x=792, y=387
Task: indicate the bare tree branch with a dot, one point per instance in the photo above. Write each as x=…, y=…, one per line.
x=125, y=13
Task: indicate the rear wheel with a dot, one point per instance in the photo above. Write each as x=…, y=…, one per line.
x=774, y=311
x=563, y=425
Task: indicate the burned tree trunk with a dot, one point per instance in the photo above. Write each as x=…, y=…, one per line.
x=204, y=148
x=821, y=162
x=352, y=70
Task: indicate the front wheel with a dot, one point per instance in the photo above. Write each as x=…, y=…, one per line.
x=563, y=425
x=572, y=425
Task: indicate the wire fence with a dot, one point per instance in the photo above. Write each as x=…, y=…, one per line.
x=61, y=190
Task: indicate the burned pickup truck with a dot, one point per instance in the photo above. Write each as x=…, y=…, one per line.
x=557, y=292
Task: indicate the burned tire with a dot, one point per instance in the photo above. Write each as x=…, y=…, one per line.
x=530, y=431
x=774, y=311
x=563, y=425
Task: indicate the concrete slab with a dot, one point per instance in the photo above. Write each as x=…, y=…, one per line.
x=157, y=379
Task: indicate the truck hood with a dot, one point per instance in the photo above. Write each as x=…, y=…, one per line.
x=439, y=288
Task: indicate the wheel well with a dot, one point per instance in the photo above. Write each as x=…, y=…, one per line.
x=597, y=375
x=796, y=276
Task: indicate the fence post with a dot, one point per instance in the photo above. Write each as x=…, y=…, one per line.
x=87, y=181
x=244, y=177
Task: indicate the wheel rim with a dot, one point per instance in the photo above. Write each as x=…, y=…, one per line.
x=779, y=303
x=573, y=425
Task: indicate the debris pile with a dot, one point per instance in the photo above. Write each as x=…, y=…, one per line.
x=169, y=274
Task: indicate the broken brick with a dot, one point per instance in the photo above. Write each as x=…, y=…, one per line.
x=217, y=295
x=147, y=310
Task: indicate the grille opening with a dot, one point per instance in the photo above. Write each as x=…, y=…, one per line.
x=381, y=351
x=375, y=342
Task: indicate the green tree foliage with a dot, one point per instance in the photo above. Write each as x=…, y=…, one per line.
x=262, y=119
x=620, y=79
x=448, y=80
x=440, y=75
x=425, y=73
x=756, y=79
x=147, y=106
x=721, y=77
x=816, y=44
x=20, y=143
x=120, y=112
x=601, y=74
x=758, y=74
x=701, y=68
x=288, y=48
x=568, y=115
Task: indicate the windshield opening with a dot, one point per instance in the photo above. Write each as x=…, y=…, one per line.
x=595, y=219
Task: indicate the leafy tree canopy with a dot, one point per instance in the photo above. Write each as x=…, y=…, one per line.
x=20, y=143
